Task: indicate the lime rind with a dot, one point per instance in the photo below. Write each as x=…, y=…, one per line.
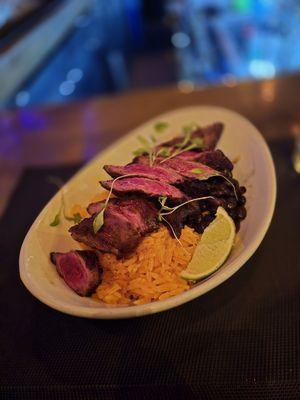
x=214, y=247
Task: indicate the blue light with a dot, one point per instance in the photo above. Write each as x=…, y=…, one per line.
x=74, y=75
x=180, y=40
x=66, y=88
x=262, y=69
x=22, y=98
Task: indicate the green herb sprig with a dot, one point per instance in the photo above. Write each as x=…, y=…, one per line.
x=166, y=210
x=161, y=126
x=148, y=145
x=76, y=218
x=99, y=219
x=188, y=142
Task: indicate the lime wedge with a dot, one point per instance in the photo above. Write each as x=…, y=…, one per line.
x=213, y=249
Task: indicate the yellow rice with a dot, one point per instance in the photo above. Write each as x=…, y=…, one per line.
x=151, y=273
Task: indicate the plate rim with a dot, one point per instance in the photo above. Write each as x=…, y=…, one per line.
x=110, y=312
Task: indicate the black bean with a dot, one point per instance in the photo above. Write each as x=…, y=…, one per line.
x=203, y=206
x=233, y=213
x=242, y=200
x=200, y=227
x=224, y=186
x=241, y=212
x=231, y=203
x=217, y=193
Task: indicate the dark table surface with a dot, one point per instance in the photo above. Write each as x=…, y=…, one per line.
x=239, y=341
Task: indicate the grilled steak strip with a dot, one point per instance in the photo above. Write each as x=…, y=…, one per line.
x=209, y=134
x=126, y=221
x=79, y=269
x=157, y=172
x=185, y=168
x=215, y=159
x=95, y=208
x=144, y=186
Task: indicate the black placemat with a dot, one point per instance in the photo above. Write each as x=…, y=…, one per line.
x=239, y=341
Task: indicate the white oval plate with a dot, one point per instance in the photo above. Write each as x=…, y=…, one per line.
x=255, y=169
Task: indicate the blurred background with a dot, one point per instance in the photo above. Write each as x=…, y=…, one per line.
x=61, y=51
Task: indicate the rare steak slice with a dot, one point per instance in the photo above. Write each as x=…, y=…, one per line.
x=141, y=160
x=143, y=186
x=190, y=169
x=79, y=269
x=95, y=207
x=215, y=159
x=126, y=221
x=157, y=172
x=210, y=136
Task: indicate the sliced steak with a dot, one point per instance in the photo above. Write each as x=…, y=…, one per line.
x=190, y=155
x=215, y=159
x=156, y=172
x=143, y=186
x=95, y=208
x=79, y=269
x=185, y=168
x=143, y=160
x=209, y=134
x=126, y=221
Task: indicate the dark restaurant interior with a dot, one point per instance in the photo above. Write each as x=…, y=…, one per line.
x=75, y=77
x=110, y=47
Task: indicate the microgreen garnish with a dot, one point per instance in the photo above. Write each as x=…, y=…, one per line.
x=153, y=138
x=188, y=143
x=198, y=170
x=139, y=152
x=186, y=139
x=197, y=142
x=145, y=142
x=56, y=220
x=165, y=210
x=179, y=151
x=190, y=128
x=99, y=219
x=205, y=173
x=173, y=231
x=148, y=145
x=77, y=218
x=62, y=209
x=161, y=126
x=164, y=152
x=162, y=200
